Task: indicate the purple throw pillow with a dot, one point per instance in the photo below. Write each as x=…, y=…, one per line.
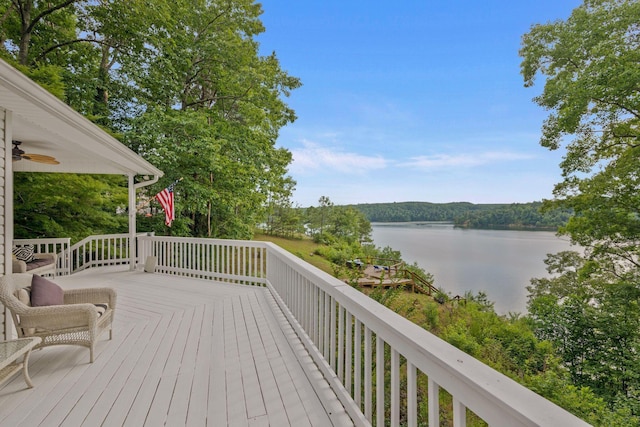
x=45, y=292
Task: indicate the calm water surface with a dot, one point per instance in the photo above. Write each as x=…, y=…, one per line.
x=498, y=262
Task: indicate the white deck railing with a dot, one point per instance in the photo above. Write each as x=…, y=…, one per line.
x=361, y=347
x=382, y=367
x=234, y=261
x=99, y=251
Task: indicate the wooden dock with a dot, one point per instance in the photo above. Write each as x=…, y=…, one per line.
x=394, y=276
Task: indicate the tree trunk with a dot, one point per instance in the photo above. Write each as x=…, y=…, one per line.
x=102, y=95
x=25, y=33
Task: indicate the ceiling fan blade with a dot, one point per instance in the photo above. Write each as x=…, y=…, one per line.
x=41, y=158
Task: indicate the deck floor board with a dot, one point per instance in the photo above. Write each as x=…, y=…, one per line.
x=185, y=352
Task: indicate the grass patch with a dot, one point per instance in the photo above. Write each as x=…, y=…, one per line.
x=304, y=248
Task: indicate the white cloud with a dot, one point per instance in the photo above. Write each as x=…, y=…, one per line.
x=464, y=160
x=312, y=156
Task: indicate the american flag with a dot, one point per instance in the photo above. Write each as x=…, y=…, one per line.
x=165, y=197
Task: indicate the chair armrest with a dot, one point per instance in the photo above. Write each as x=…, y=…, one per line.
x=91, y=295
x=19, y=266
x=55, y=317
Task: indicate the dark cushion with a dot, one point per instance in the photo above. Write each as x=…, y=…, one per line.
x=37, y=263
x=45, y=292
x=24, y=253
x=101, y=309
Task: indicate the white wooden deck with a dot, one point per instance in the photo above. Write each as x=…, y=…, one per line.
x=185, y=352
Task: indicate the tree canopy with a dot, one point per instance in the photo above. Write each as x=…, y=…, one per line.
x=182, y=83
x=589, y=308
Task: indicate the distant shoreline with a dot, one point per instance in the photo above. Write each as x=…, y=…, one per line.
x=514, y=216
x=513, y=227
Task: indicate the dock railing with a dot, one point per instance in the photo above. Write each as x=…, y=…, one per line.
x=384, y=368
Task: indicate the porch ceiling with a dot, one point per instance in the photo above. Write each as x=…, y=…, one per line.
x=48, y=126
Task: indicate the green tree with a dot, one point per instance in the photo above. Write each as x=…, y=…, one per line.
x=282, y=218
x=317, y=218
x=75, y=206
x=592, y=80
x=590, y=63
x=30, y=25
x=325, y=206
x=213, y=112
x=594, y=325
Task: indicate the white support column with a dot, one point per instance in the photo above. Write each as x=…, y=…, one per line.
x=132, y=216
x=132, y=223
x=7, y=208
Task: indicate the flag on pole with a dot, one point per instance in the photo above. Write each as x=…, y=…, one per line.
x=165, y=197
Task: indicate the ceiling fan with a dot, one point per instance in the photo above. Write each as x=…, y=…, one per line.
x=18, y=154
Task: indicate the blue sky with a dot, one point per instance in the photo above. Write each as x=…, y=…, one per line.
x=413, y=100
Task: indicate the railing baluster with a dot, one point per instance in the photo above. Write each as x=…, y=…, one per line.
x=395, y=388
x=314, y=316
x=207, y=253
x=412, y=396
x=302, y=282
x=299, y=295
x=326, y=327
x=245, y=262
x=434, y=403
x=379, y=381
x=348, y=357
x=341, y=332
x=183, y=256
x=332, y=329
x=321, y=318
x=368, y=397
x=308, y=306
x=459, y=413
x=357, y=364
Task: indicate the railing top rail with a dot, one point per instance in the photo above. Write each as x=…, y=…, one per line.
x=205, y=240
x=47, y=240
x=98, y=237
x=461, y=374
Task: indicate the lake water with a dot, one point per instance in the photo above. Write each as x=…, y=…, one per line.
x=498, y=262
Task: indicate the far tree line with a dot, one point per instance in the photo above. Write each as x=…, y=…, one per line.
x=353, y=221
x=464, y=214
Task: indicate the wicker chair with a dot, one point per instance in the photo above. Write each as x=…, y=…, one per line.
x=74, y=323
